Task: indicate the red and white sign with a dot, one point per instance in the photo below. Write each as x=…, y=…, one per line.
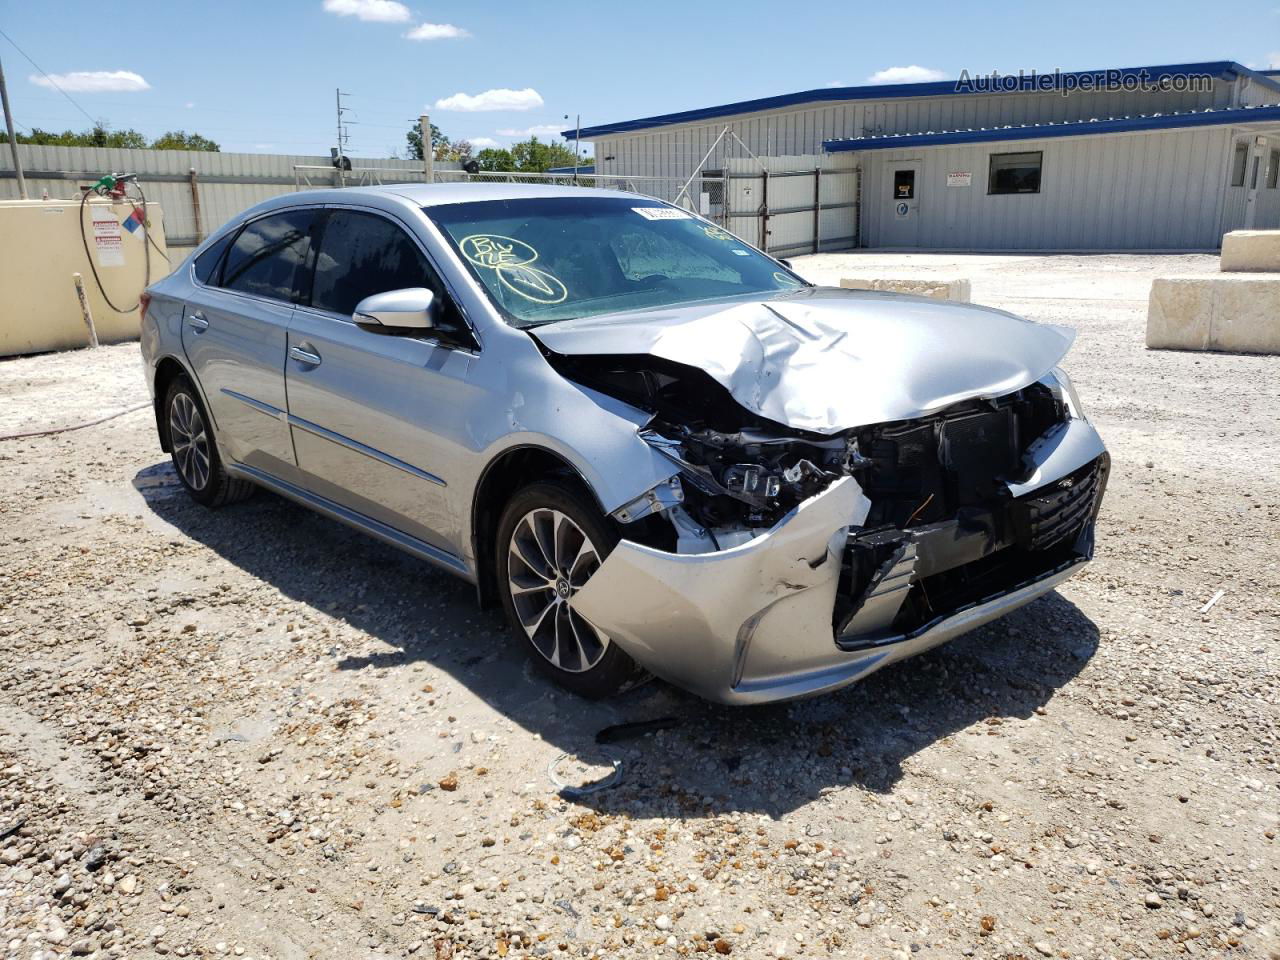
x=107, y=238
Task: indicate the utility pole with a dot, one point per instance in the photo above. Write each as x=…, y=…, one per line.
x=13, y=140
x=577, y=145
x=343, y=137
x=428, y=152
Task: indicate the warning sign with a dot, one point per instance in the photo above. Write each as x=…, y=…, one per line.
x=107, y=237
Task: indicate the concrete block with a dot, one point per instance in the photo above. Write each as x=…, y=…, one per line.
x=957, y=290
x=1251, y=251
x=1231, y=312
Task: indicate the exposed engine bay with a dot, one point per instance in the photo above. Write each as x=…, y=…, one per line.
x=942, y=528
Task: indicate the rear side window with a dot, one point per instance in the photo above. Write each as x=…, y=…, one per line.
x=266, y=258
x=362, y=254
x=208, y=262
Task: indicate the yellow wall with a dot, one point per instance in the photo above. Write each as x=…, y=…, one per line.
x=40, y=249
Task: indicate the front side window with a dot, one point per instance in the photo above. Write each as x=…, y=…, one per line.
x=553, y=258
x=266, y=258
x=1273, y=169
x=1015, y=173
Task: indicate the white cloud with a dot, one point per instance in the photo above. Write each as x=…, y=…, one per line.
x=436, y=31
x=375, y=11
x=500, y=99
x=539, y=130
x=93, y=81
x=189, y=105
x=837, y=83
x=482, y=143
x=911, y=74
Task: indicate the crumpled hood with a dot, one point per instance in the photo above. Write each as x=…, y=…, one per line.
x=825, y=359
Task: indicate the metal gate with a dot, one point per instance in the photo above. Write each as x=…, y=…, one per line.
x=792, y=205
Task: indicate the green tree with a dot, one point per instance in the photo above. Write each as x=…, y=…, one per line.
x=442, y=148
x=181, y=140
x=534, y=156
x=491, y=159
x=100, y=136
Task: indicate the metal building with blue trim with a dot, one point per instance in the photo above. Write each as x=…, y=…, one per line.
x=1165, y=157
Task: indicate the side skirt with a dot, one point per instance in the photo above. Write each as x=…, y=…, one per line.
x=374, y=528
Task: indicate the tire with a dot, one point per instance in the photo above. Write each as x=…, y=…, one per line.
x=195, y=452
x=563, y=644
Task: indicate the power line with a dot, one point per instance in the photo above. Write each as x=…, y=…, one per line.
x=53, y=83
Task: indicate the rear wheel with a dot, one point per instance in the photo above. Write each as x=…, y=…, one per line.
x=551, y=539
x=194, y=452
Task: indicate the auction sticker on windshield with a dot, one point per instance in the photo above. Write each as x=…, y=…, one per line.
x=662, y=213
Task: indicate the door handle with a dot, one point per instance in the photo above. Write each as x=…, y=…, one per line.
x=303, y=355
x=198, y=322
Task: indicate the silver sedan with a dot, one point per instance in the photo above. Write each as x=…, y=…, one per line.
x=660, y=450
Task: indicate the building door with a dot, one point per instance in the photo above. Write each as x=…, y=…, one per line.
x=1255, y=173
x=902, y=221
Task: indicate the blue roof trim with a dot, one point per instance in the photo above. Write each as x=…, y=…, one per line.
x=1066, y=128
x=1222, y=69
x=586, y=169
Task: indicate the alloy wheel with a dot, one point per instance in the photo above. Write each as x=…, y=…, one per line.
x=190, y=441
x=549, y=559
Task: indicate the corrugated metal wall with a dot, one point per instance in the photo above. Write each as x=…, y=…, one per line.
x=227, y=182
x=676, y=150
x=1123, y=191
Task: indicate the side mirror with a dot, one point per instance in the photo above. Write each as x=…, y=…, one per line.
x=413, y=308
x=786, y=263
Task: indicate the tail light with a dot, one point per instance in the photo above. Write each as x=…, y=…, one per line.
x=144, y=301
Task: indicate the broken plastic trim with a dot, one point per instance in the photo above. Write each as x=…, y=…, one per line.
x=570, y=792
x=664, y=496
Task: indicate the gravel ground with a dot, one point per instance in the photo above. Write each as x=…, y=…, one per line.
x=251, y=732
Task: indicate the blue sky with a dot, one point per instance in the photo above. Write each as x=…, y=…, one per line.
x=261, y=76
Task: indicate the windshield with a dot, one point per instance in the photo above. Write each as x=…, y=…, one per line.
x=554, y=258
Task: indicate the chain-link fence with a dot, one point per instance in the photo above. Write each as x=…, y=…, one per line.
x=785, y=205
x=704, y=193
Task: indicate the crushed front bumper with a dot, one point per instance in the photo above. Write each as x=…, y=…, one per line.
x=757, y=623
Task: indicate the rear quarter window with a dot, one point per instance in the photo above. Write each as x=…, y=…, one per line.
x=207, y=264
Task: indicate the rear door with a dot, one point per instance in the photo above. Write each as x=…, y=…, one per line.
x=235, y=334
x=373, y=414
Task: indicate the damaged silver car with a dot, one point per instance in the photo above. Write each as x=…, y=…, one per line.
x=659, y=449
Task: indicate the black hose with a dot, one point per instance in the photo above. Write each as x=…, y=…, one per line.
x=146, y=251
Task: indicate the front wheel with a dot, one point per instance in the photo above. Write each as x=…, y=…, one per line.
x=551, y=539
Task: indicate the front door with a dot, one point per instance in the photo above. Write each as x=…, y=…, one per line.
x=902, y=204
x=235, y=331
x=371, y=413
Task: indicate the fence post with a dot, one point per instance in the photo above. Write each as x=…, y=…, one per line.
x=428, y=153
x=195, y=204
x=817, y=208
x=764, y=211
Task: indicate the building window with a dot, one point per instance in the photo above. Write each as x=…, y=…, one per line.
x=1239, y=164
x=1014, y=173
x=1273, y=169
x=904, y=184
